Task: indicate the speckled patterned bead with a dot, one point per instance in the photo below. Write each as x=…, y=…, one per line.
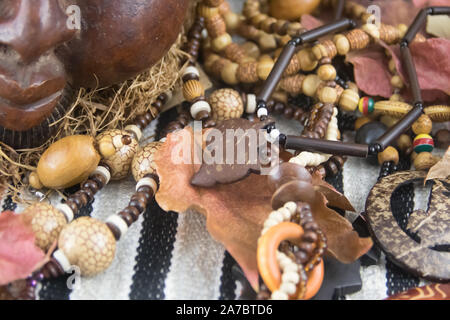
x=120, y=162
x=88, y=244
x=226, y=104
x=143, y=163
x=46, y=222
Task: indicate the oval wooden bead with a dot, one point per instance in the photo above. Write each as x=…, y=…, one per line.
x=404, y=142
x=143, y=162
x=120, y=162
x=424, y=161
x=349, y=100
x=226, y=104
x=397, y=82
x=392, y=108
x=310, y=85
x=389, y=154
x=192, y=90
x=229, y=73
x=307, y=60
x=221, y=42
x=325, y=49
x=342, y=44
x=251, y=49
x=88, y=244
x=326, y=72
x=327, y=95
x=422, y=125
x=216, y=26
x=68, y=162
x=265, y=66
x=46, y=222
x=358, y=39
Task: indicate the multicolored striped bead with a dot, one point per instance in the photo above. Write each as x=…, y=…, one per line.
x=423, y=143
x=366, y=105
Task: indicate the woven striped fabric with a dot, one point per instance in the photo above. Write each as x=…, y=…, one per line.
x=166, y=255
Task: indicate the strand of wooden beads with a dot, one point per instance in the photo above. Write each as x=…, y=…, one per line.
x=293, y=221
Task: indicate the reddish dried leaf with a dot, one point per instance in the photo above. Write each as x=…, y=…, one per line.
x=19, y=256
x=343, y=242
x=373, y=77
x=236, y=212
x=440, y=170
x=309, y=22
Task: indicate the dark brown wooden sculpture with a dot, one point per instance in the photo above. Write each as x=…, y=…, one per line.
x=40, y=53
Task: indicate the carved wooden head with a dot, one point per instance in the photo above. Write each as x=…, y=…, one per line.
x=42, y=50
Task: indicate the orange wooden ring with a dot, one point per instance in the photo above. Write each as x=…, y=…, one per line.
x=267, y=251
x=315, y=279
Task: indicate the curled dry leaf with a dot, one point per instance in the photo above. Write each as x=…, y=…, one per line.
x=19, y=256
x=373, y=77
x=440, y=170
x=236, y=212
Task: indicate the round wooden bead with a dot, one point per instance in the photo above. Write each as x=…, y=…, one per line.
x=424, y=161
x=307, y=60
x=68, y=162
x=423, y=125
x=310, y=85
x=46, y=223
x=120, y=162
x=226, y=104
x=342, y=44
x=349, y=100
x=366, y=105
x=221, y=42
x=389, y=154
x=251, y=49
x=192, y=89
x=423, y=143
x=327, y=95
x=404, y=142
x=397, y=82
x=143, y=162
x=326, y=72
x=229, y=73
x=88, y=244
x=265, y=66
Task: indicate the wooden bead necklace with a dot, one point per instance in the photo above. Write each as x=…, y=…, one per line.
x=90, y=244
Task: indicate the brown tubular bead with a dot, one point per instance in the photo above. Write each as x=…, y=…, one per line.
x=132, y=211
x=73, y=205
x=115, y=231
x=139, y=204
x=99, y=180
x=146, y=190
x=88, y=193
x=52, y=269
x=92, y=185
x=128, y=218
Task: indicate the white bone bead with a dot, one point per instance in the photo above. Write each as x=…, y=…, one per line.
x=119, y=223
x=290, y=277
x=62, y=260
x=198, y=107
x=251, y=103
x=279, y=295
x=190, y=70
x=286, y=213
x=104, y=172
x=288, y=288
x=147, y=181
x=262, y=112
x=291, y=206
x=135, y=129
x=66, y=210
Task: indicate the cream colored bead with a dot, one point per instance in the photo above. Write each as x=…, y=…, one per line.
x=198, y=107
x=310, y=85
x=279, y=295
x=229, y=73
x=402, y=29
x=66, y=211
x=251, y=49
x=136, y=130
x=88, y=244
x=221, y=42
x=232, y=20
x=326, y=72
x=103, y=172
x=342, y=44
x=349, y=100
x=265, y=66
x=61, y=258
x=333, y=133
x=119, y=223
x=308, y=159
x=149, y=182
x=143, y=162
x=404, y=142
x=191, y=70
x=327, y=95
x=288, y=287
x=307, y=60
x=226, y=104
x=251, y=104
x=267, y=42
x=392, y=66
x=397, y=82
x=46, y=222
x=120, y=162
x=372, y=30
x=291, y=206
